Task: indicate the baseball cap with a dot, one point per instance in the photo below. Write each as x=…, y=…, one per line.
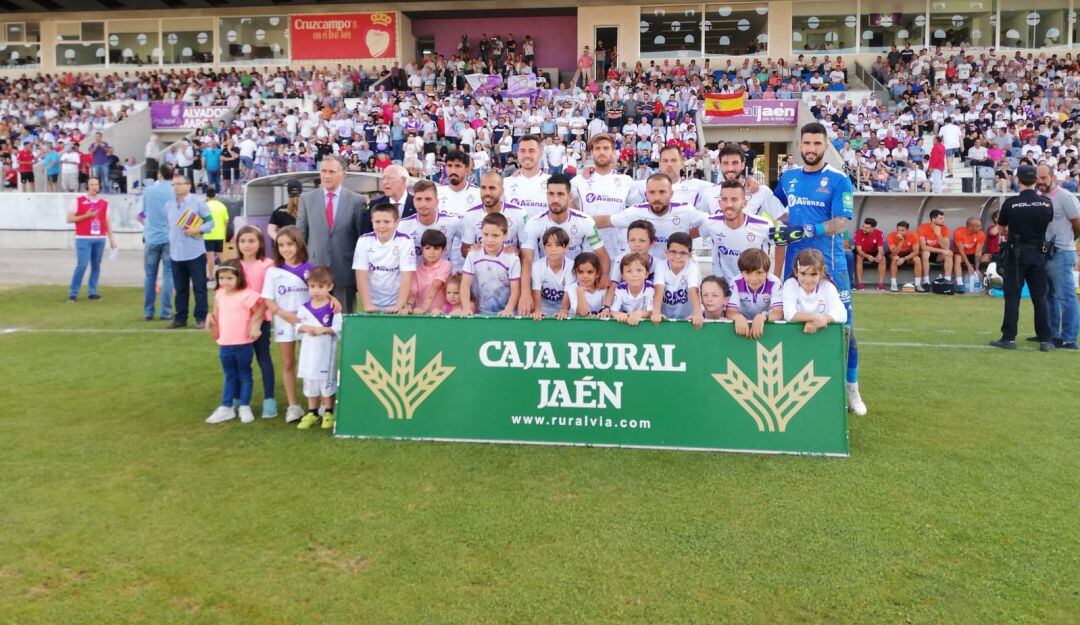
x=1026, y=175
x=295, y=188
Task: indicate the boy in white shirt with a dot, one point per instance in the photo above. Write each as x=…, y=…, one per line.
x=552, y=274
x=491, y=281
x=319, y=329
x=385, y=261
x=682, y=281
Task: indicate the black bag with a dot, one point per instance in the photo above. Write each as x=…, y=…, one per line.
x=943, y=286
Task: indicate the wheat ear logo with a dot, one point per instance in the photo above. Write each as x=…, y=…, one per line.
x=402, y=390
x=770, y=401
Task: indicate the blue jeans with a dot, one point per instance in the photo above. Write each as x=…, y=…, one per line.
x=87, y=252
x=101, y=172
x=236, y=365
x=213, y=178
x=1063, y=307
x=555, y=169
x=189, y=275
x=153, y=254
x=266, y=363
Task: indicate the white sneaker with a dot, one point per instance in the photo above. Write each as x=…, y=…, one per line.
x=854, y=400
x=221, y=415
x=293, y=414
x=245, y=414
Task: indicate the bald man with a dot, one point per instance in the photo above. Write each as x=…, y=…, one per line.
x=394, y=184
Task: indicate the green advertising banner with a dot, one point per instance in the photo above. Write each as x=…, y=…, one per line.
x=593, y=382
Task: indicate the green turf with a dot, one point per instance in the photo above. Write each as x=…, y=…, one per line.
x=119, y=505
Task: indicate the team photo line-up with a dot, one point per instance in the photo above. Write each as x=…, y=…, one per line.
x=599, y=244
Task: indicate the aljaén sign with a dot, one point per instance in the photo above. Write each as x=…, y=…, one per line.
x=593, y=382
x=759, y=113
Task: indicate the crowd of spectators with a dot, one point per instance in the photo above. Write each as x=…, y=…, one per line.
x=992, y=112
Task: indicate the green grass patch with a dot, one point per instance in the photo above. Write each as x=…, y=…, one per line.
x=119, y=505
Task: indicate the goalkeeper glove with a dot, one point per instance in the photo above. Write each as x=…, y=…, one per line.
x=784, y=235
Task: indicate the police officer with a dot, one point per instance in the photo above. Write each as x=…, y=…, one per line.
x=1024, y=259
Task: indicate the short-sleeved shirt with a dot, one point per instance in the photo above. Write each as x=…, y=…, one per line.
x=896, y=246
x=594, y=300
x=234, y=315
x=287, y=286
x=425, y=279
x=626, y=301
x=824, y=299
x=255, y=275
x=580, y=227
x=677, y=287
x=492, y=276
x=220, y=213
x=551, y=284
x=966, y=241
x=472, y=223
x=678, y=218
x=751, y=303
x=729, y=243
x=446, y=223
x=384, y=262
x=869, y=243
x=281, y=217
x=813, y=198
x=928, y=238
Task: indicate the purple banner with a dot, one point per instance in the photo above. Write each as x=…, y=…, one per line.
x=760, y=113
x=166, y=114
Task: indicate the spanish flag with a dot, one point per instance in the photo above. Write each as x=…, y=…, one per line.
x=724, y=104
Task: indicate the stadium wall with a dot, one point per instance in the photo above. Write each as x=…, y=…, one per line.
x=555, y=36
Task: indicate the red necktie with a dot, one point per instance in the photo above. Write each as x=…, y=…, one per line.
x=329, y=211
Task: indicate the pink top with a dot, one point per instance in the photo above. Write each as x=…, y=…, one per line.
x=585, y=61
x=255, y=275
x=234, y=315
x=426, y=277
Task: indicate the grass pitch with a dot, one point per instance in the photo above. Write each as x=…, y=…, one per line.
x=119, y=505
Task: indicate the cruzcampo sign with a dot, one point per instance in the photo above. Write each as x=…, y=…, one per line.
x=593, y=382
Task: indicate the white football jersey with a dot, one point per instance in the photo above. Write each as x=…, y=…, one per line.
x=492, y=276
x=625, y=301
x=763, y=204
x=581, y=228
x=605, y=194
x=445, y=223
x=677, y=288
x=456, y=203
x=529, y=194
x=471, y=223
x=552, y=284
x=824, y=299
x=752, y=303
x=729, y=243
x=678, y=218
x=318, y=354
x=689, y=191
x=594, y=300
x=384, y=262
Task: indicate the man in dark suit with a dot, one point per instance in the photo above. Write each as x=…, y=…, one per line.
x=332, y=219
x=394, y=183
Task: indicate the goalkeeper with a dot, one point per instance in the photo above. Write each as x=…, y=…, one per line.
x=819, y=202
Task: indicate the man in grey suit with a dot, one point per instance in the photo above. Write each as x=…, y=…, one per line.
x=331, y=219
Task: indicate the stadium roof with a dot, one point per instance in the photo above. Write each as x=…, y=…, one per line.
x=37, y=6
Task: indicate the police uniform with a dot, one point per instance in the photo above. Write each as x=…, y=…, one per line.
x=1024, y=259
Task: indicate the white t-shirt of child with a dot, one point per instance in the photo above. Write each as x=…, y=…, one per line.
x=492, y=276
x=752, y=303
x=552, y=284
x=824, y=300
x=625, y=301
x=318, y=354
x=384, y=262
x=594, y=300
x=677, y=288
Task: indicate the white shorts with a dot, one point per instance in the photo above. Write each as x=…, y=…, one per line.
x=319, y=388
x=284, y=332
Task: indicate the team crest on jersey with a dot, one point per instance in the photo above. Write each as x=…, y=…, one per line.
x=675, y=220
x=618, y=182
x=824, y=182
x=750, y=236
x=573, y=229
x=326, y=319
